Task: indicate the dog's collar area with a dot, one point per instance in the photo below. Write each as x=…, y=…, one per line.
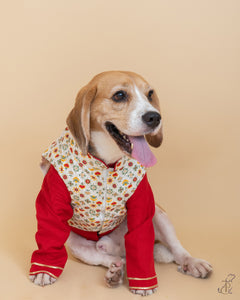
x=121, y=139
x=116, y=165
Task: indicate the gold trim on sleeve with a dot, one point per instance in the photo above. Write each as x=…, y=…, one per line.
x=43, y=271
x=42, y=265
x=148, y=278
x=143, y=288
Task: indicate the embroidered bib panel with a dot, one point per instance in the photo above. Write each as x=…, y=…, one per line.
x=98, y=193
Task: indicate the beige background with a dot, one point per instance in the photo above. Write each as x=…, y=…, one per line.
x=188, y=50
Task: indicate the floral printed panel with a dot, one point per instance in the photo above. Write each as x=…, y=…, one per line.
x=98, y=193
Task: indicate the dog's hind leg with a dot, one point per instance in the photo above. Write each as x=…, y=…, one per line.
x=88, y=252
x=164, y=232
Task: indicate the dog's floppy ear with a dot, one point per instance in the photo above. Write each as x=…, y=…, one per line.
x=156, y=139
x=78, y=120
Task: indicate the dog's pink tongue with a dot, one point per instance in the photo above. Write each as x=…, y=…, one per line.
x=141, y=151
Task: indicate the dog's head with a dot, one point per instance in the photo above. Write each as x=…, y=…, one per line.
x=121, y=107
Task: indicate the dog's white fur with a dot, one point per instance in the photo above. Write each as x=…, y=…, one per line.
x=143, y=106
x=107, y=148
x=109, y=251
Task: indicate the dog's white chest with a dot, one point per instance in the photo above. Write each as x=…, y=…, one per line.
x=98, y=193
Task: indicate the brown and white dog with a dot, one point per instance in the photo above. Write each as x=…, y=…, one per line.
x=111, y=117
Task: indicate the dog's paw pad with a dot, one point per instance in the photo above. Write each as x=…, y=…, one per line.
x=114, y=275
x=42, y=279
x=196, y=267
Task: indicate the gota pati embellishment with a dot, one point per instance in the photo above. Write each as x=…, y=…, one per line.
x=147, y=278
x=143, y=288
x=42, y=271
x=48, y=266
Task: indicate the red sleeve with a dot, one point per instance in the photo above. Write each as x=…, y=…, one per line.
x=53, y=211
x=139, y=241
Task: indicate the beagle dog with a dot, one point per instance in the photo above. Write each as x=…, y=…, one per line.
x=115, y=116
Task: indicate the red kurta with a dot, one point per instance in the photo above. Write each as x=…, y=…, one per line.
x=54, y=209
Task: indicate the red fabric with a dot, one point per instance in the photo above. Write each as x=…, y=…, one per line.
x=54, y=209
x=139, y=241
x=90, y=235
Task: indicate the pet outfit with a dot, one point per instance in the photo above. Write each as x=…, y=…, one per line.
x=84, y=195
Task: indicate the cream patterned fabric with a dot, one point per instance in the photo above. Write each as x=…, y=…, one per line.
x=98, y=193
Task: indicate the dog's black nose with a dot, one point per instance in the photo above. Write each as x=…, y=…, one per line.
x=152, y=119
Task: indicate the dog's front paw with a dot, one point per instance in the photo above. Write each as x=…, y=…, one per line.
x=114, y=275
x=42, y=279
x=195, y=267
x=144, y=292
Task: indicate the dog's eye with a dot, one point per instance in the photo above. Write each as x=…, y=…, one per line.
x=119, y=96
x=150, y=93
